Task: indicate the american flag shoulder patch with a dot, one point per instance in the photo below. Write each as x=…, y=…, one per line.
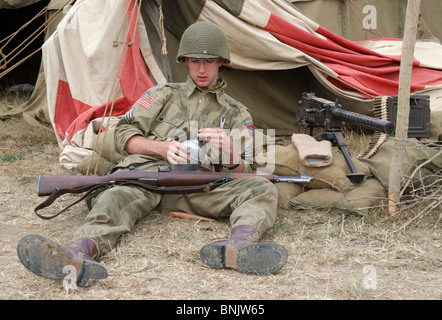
x=145, y=100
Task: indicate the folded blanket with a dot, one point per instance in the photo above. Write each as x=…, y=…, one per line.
x=313, y=153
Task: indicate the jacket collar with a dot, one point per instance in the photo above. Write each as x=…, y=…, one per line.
x=217, y=89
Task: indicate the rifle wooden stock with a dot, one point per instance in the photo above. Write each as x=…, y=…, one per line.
x=48, y=184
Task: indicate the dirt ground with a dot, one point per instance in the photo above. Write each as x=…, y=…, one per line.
x=332, y=254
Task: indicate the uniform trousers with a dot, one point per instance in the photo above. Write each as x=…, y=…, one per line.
x=114, y=211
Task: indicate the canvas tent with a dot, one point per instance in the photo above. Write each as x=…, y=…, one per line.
x=271, y=69
x=103, y=56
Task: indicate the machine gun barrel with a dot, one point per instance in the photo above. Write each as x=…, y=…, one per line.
x=364, y=121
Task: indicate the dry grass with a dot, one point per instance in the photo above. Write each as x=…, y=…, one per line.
x=331, y=253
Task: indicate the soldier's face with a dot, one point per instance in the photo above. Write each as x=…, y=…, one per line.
x=204, y=72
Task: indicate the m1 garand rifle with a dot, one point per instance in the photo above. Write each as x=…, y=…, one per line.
x=161, y=181
x=318, y=112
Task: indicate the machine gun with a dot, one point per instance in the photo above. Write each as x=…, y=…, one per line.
x=319, y=112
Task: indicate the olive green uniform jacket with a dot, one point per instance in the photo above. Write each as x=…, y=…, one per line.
x=176, y=111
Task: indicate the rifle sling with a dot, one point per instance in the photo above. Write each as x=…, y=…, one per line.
x=158, y=189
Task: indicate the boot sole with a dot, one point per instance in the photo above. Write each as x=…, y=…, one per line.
x=48, y=259
x=259, y=258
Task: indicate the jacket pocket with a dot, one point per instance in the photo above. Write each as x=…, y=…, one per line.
x=169, y=128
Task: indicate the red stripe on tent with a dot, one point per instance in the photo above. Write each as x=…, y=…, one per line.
x=120, y=107
x=66, y=109
x=334, y=46
x=75, y=115
x=135, y=79
x=361, y=68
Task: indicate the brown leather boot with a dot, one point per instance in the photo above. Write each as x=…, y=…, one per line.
x=82, y=249
x=242, y=252
x=48, y=259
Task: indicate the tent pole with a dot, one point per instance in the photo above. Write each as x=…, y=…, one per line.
x=408, y=44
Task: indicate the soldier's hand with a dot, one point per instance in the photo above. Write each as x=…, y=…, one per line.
x=216, y=138
x=177, y=153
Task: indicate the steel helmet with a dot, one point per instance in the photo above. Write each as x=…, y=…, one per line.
x=204, y=40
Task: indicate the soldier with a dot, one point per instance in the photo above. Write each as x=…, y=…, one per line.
x=149, y=136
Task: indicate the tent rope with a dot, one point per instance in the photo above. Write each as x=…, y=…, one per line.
x=421, y=20
x=163, y=33
x=4, y=60
x=111, y=101
x=9, y=38
x=117, y=36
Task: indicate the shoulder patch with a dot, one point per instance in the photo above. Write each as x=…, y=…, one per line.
x=145, y=100
x=250, y=127
x=129, y=116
